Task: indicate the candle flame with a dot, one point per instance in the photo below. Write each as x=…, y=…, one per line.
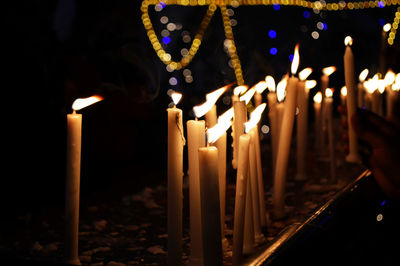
x=381, y=86
x=303, y=75
x=328, y=70
x=255, y=117
x=310, y=84
x=240, y=89
x=372, y=84
x=224, y=122
x=348, y=41
x=270, y=83
x=318, y=97
x=281, y=89
x=176, y=97
x=211, y=99
x=328, y=92
x=387, y=27
x=343, y=91
x=389, y=78
x=81, y=103
x=260, y=86
x=363, y=75
x=296, y=59
x=248, y=95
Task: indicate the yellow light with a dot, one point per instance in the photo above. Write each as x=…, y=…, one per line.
x=303, y=75
x=81, y=103
x=255, y=117
x=318, y=97
x=343, y=91
x=387, y=27
x=363, y=75
x=348, y=41
x=310, y=84
x=270, y=83
x=328, y=70
x=248, y=95
x=260, y=86
x=176, y=97
x=328, y=92
x=281, y=89
x=296, y=59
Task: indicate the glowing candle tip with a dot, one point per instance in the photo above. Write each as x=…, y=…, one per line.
x=81, y=103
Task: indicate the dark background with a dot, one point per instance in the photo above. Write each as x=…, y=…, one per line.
x=55, y=51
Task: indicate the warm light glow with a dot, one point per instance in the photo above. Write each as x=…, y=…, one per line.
x=176, y=97
x=372, y=84
x=296, y=59
x=255, y=117
x=248, y=95
x=260, y=86
x=281, y=89
x=328, y=92
x=328, y=70
x=84, y=102
x=211, y=99
x=343, y=91
x=387, y=27
x=389, y=78
x=381, y=86
x=363, y=75
x=318, y=97
x=228, y=115
x=303, y=75
x=348, y=41
x=239, y=90
x=310, y=84
x=270, y=83
x=215, y=132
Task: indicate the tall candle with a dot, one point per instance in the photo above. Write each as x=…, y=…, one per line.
x=343, y=95
x=285, y=141
x=176, y=141
x=235, y=136
x=211, y=117
x=279, y=108
x=240, y=198
x=317, y=108
x=210, y=206
x=360, y=89
x=327, y=71
x=301, y=128
x=239, y=108
x=348, y=59
x=73, y=172
x=271, y=97
x=332, y=159
x=196, y=139
x=260, y=179
x=259, y=87
x=248, y=240
x=388, y=82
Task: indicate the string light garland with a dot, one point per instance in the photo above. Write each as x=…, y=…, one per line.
x=222, y=4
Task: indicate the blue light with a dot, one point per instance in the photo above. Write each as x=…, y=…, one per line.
x=166, y=40
x=276, y=6
x=291, y=57
x=272, y=34
x=306, y=14
x=381, y=4
x=325, y=26
x=273, y=51
x=383, y=202
x=382, y=22
x=163, y=4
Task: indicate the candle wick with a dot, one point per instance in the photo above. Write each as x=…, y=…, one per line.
x=195, y=118
x=73, y=111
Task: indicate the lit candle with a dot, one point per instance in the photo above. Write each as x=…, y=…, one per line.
x=361, y=90
x=271, y=97
x=301, y=128
x=285, y=140
x=394, y=95
x=317, y=108
x=196, y=139
x=327, y=71
x=217, y=137
x=176, y=141
x=240, y=198
x=237, y=119
x=343, y=94
x=388, y=82
x=73, y=172
x=210, y=205
x=348, y=58
x=279, y=108
x=256, y=181
x=328, y=105
x=208, y=108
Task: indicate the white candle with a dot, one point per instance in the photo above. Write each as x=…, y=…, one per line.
x=360, y=89
x=285, y=141
x=328, y=105
x=259, y=87
x=176, y=141
x=327, y=71
x=301, y=128
x=260, y=179
x=196, y=139
x=211, y=117
x=249, y=240
x=317, y=108
x=73, y=172
x=210, y=205
x=348, y=59
x=343, y=95
x=279, y=108
x=240, y=198
x=235, y=136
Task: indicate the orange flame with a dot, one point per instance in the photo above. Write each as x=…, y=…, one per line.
x=224, y=122
x=260, y=86
x=387, y=27
x=240, y=89
x=211, y=99
x=318, y=97
x=81, y=103
x=328, y=70
x=270, y=83
x=363, y=75
x=343, y=91
x=255, y=117
x=248, y=95
x=389, y=77
x=310, y=84
x=328, y=92
x=176, y=97
x=296, y=59
x=348, y=41
x=303, y=75
x=281, y=89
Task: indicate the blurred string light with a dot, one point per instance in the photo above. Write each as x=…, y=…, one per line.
x=272, y=34
x=273, y=51
x=316, y=6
